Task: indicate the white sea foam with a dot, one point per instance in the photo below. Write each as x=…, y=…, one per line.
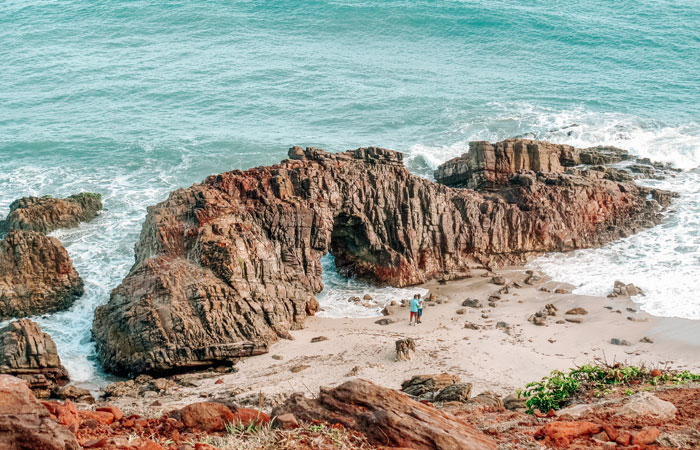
x=338, y=290
x=664, y=260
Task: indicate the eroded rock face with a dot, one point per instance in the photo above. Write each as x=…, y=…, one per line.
x=25, y=423
x=488, y=166
x=29, y=354
x=226, y=267
x=46, y=214
x=36, y=275
x=386, y=417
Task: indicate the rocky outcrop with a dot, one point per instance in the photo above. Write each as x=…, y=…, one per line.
x=488, y=166
x=25, y=423
x=36, y=275
x=386, y=417
x=29, y=354
x=226, y=267
x=45, y=214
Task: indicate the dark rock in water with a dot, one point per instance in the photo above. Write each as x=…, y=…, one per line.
x=45, y=214
x=26, y=424
x=387, y=417
x=36, y=275
x=225, y=268
x=29, y=354
x=621, y=289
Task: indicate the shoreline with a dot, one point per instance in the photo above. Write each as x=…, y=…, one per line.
x=491, y=358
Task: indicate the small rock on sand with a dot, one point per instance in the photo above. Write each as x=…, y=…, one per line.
x=461, y=311
x=500, y=281
x=617, y=341
x=299, y=367
x=577, y=311
x=319, y=339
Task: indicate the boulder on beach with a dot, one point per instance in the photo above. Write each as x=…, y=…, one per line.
x=36, y=275
x=25, y=423
x=29, y=354
x=46, y=214
x=225, y=268
x=387, y=417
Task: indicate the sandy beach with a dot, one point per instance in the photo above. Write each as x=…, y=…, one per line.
x=492, y=358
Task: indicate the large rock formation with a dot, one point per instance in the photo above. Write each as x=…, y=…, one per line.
x=36, y=275
x=387, y=417
x=226, y=267
x=488, y=166
x=29, y=354
x=46, y=214
x=26, y=424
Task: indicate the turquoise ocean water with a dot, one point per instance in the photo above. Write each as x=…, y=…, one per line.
x=134, y=99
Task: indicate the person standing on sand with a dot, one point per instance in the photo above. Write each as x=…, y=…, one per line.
x=414, y=310
x=420, y=308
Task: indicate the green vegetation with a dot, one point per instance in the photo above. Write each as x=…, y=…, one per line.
x=559, y=388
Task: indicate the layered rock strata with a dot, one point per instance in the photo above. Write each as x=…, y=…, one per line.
x=45, y=214
x=488, y=166
x=36, y=275
x=226, y=267
x=386, y=417
x=29, y=354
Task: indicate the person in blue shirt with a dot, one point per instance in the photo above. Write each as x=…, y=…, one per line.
x=420, y=309
x=414, y=311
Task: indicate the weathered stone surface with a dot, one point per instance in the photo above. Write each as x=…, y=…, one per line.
x=36, y=275
x=488, y=165
x=458, y=392
x=645, y=404
x=561, y=433
x=224, y=268
x=621, y=289
x=421, y=384
x=29, y=354
x=206, y=416
x=25, y=423
x=387, y=417
x=45, y=214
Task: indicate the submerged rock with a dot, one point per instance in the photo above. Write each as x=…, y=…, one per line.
x=387, y=418
x=225, y=268
x=36, y=275
x=45, y=214
x=29, y=354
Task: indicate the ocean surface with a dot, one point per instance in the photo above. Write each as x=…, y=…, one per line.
x=135, y=99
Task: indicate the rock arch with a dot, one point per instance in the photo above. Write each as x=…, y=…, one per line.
x=224, y=268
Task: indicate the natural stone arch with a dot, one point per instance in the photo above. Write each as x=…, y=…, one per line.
x=225, y=268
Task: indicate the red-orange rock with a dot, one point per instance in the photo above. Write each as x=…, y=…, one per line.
x=655, y=373
x=623, y=438
x=387, y=417
x=207, y=416
x=116, y=412
x=150, y=445
x=646, y=436
x=101, y=416
x=246, y=416
x=562, y=433
x=610, y=431
x=312, y=306
x=200, y=446
x=25, y=423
